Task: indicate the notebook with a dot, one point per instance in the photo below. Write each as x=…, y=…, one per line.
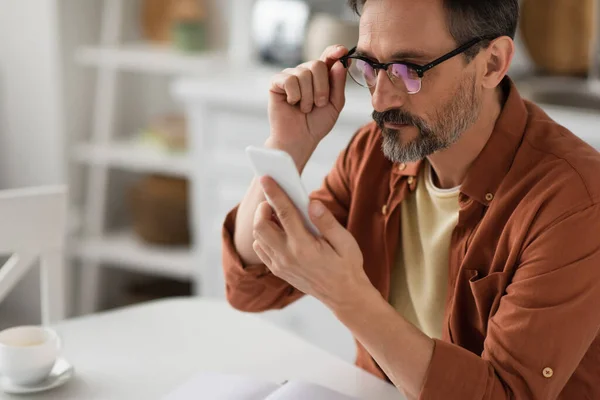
x=213, y=386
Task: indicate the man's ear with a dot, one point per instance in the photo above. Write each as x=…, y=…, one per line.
x=498, y=57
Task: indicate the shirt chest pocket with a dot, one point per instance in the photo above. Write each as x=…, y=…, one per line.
x=487, y=292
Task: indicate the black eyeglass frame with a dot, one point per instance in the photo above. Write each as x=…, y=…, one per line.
x=419, y=69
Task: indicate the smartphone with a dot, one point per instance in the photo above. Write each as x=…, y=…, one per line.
x=280, y=166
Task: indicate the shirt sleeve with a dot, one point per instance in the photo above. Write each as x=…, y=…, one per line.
x=253, y=288
x=545, y=323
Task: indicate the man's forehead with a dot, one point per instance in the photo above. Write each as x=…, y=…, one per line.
x=386, y=6
x=402, y=23
x=380, y=21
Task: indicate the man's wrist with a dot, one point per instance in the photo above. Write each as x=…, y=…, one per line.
x=359, y=300
x=299, y=153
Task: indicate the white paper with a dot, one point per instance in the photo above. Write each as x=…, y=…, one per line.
x=212, y=386
x=304, y=391
x=215, y=386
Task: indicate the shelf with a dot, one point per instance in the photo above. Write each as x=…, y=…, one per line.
x=125, y=250
x=151, y=58
x=135, y=157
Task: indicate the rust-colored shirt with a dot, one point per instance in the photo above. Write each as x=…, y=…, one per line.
x=522, y=312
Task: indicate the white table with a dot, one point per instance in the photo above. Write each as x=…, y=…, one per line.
x=146, y=351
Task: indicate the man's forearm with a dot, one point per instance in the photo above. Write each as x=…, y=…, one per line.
x=400, y=349
x=243, y=238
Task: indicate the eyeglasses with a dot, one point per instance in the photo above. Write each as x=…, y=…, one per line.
x=364, y=71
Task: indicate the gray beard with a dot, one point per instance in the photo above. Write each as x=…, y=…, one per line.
x=451, y=122
x=413, y=151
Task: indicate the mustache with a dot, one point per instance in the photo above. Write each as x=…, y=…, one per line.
x=397, y=117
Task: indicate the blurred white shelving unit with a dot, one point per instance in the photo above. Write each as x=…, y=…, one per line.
x=126, y=250
x=149, y=58
x=134, y=157
x=94, y=245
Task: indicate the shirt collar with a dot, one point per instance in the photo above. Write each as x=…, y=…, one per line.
x=491, y=166
x=493, y=163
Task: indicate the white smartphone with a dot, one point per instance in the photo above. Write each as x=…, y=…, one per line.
x=280, y=166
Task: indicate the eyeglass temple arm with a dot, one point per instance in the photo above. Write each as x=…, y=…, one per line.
x=421, y=70
x=344, y=59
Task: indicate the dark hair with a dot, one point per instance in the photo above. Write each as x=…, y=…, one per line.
x=469, y=19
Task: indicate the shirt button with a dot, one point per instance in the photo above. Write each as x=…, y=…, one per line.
x=402, y=167
x=384, y=209
x=410, y=180
x=489, y=197
x=548, y=372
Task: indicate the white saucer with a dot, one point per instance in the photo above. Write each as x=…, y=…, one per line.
x=61, y=373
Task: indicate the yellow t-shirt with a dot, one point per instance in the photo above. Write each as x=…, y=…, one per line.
x=420, y=276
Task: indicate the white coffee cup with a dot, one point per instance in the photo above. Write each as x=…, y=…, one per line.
x=28, y=353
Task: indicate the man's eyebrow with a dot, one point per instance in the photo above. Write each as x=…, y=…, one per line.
x=400, y=55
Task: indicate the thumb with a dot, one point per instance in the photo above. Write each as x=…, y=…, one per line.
x=337, y=77
x=328, y=225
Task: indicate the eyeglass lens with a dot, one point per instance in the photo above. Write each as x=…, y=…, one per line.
x=365, y=75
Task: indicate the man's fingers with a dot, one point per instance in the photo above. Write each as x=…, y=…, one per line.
x=338, y=76
x=264, y=219
x=266, y=231
x=262, y=254
x=332, y=54
x=288, y=85
x=315, y=82
x=263, y=212
x=320, y=75
x=330, y=228
x=286, y=211
x=305, y=78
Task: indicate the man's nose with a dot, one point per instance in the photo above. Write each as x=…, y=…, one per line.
x=386, y=95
